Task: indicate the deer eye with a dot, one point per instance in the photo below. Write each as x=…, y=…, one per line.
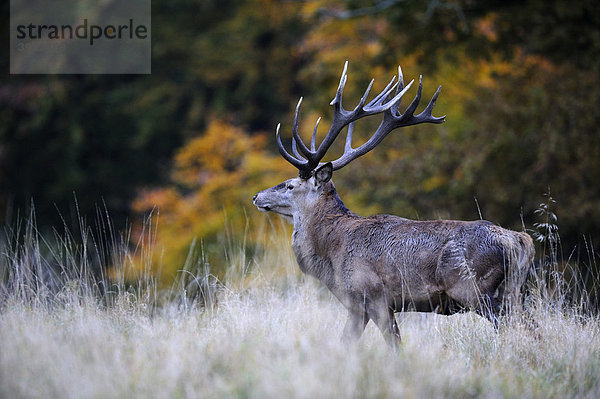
x=290, y=187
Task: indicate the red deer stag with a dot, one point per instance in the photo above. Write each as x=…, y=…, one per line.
x=382, y=264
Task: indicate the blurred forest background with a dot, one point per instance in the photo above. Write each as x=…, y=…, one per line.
x=195, y=139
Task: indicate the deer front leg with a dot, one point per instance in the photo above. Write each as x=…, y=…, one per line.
x=383, y=316
x=355, y=325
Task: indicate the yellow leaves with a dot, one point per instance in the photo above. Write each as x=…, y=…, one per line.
x=335, y=40
x=216, y=174
x=464, y=80
x=311, y=8
x=434, y=182
x=220, y=150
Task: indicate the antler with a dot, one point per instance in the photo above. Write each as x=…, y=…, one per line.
x=306, y=160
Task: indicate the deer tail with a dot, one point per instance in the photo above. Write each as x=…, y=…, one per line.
x=520, y=260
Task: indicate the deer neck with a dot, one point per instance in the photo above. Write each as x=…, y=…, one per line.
x=315, y=235
x=312, y=218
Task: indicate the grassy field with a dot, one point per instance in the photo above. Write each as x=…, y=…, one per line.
x=265, y=332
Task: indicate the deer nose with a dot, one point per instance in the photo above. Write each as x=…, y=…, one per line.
x=254, y=198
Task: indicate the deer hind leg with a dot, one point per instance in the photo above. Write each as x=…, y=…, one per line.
x=470, y=283
x=490, y=308
x=491, y=302
x=383, y=316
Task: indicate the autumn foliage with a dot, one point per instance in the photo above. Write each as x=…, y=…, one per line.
x=214, y=178
x=187, y=144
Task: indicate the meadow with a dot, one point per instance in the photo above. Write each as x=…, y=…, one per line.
x=262, y=331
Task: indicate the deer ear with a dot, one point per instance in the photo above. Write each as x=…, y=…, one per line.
x=324, y=173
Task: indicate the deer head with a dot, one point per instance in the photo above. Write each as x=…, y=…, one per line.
x=293, y=196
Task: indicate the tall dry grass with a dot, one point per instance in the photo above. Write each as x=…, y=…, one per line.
x=67, y=330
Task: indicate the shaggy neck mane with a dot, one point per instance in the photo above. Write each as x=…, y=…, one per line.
x=315, y=236
x=330, y=202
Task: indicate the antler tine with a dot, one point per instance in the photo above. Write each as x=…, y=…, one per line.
x=296, y=152
x=348, y=145
x=363, y=100
x=408, y=118
x=300, y=165
x=427, y=111
x=341, y=118
x=399, y=89
x=296, y=135
x=313, y=140
x=392, y=105
x=378, y=104
x=400, y=79
x=413, y=105
x=338, y=95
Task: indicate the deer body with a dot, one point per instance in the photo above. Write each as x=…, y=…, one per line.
x=382, y=264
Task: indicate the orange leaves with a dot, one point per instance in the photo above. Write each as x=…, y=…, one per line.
x=486, y=27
